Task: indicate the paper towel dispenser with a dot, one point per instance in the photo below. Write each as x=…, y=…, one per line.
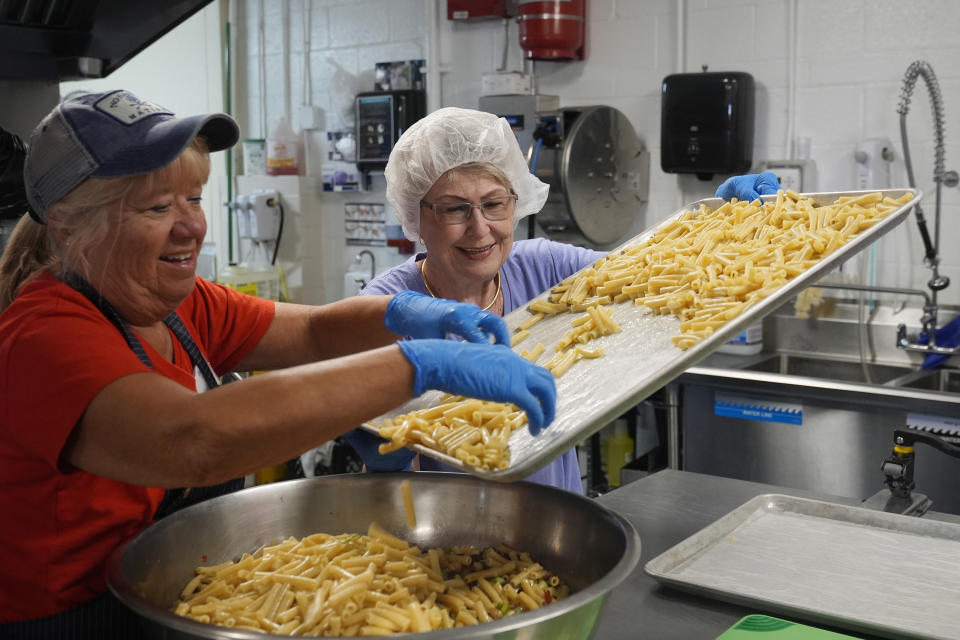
x=706, y=123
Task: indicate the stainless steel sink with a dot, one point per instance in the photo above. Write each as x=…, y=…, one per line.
x=834, y=369
x=847, y=422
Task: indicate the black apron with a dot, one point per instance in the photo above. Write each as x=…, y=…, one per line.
x=104, y=617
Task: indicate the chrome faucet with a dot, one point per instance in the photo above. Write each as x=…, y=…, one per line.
x=937, y=282
x=899, y=467
x=373, y=262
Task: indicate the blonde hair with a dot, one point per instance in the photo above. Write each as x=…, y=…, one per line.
x=83, y=219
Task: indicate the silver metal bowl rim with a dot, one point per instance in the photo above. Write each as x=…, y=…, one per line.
x=599, y=590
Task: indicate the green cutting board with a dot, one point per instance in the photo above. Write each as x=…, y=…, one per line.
x=757, y=627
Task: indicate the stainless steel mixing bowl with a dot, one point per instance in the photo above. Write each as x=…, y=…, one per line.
x=590, y=547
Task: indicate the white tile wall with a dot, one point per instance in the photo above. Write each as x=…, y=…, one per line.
x=359, y=23
x=408, y=20
x=851, y=59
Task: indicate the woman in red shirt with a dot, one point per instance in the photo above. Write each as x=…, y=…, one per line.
x=107, y=338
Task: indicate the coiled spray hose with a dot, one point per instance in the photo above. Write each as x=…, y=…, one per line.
x=918, y=69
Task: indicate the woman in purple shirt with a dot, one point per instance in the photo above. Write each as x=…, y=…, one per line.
x=459, y=184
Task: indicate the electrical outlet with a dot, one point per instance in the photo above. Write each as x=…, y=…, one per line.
x=789, y=177
x=873, y=158
x=798, y=175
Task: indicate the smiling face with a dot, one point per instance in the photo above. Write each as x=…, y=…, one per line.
x=146, y=267
x=465, y=257
x=144, y=262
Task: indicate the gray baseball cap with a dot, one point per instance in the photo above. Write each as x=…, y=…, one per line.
x=110, y=135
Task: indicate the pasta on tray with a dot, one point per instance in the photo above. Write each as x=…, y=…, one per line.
x=366, y=585
x=705, y=267
x=708, y=266
x=473, y=431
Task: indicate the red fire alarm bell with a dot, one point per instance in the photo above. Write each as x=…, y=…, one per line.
x=552, y=30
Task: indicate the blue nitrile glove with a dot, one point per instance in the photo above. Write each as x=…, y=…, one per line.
x=947, y=336
x=367, y=447
x=487, y=372
x=749, y=187
x=413, y=314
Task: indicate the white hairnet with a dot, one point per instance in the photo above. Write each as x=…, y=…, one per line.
x=448, y=138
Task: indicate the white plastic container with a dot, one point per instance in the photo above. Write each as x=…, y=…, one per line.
x=746, y=343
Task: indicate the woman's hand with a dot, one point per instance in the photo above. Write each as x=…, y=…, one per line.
x=413, y=314
x=487, y=372
x=367, y=446
x=749, y=187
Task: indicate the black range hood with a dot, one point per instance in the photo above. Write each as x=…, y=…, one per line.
x=74, y=39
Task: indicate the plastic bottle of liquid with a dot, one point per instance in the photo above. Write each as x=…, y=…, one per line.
x=746, y=343
x=618, y=451
x=283, y=150
x=271, y=474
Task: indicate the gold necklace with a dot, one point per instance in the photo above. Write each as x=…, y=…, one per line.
x=430, y=291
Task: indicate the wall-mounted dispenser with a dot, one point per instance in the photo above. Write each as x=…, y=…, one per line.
x=874, y=157
x=706, y=123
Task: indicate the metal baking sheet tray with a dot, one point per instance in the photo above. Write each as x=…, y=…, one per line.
x=868, y=571
x=638, y=360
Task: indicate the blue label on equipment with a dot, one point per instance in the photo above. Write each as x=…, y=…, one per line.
x=729, y=405
x=942, y=425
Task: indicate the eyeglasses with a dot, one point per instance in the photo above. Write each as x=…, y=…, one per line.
x=498, y=208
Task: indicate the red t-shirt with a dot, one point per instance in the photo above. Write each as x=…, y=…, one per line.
x=57, y=351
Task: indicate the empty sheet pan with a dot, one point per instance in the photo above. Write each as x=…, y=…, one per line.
x=869, y=571
x=637, y=361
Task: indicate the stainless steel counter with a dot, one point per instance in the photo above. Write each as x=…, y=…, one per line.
x=666, y=508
